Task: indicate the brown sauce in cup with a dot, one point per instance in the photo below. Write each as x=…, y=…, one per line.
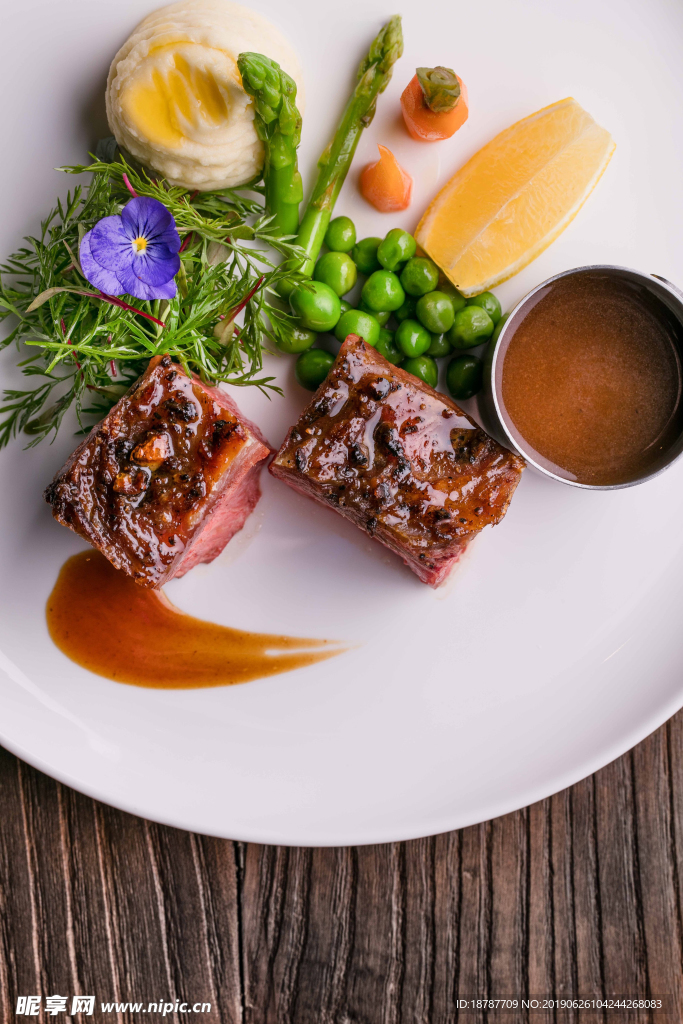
x=591, y=379
x=105, y=622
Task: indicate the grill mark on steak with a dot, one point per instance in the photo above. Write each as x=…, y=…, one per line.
x=399, y=459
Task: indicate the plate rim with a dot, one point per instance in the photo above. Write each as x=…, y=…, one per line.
x=531, y=795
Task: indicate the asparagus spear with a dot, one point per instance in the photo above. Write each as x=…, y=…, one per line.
x=374, y=75
x=278, y=125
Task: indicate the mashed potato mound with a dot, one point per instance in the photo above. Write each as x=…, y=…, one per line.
x=174, y=94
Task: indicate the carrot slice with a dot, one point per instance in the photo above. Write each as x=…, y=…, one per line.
x=385, y=184
x=426, y=125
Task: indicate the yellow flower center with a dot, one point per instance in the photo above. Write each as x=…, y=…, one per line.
x=140, y=244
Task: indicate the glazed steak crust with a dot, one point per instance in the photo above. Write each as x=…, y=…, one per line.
x=165, y=480
x=399, y=459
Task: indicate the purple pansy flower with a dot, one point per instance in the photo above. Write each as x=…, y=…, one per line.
x=134, y=253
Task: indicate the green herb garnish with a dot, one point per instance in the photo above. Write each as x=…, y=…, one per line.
x=84, y=349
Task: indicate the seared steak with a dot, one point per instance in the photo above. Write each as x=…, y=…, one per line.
x=398, y=459
x=165, y=480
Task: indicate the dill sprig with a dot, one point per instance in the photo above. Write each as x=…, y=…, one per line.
x=82, y=350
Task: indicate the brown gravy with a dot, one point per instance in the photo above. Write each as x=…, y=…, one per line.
x=105, y=622
x=591, y=379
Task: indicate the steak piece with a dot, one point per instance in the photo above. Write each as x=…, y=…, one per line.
x=398, y=459
x=165, y=480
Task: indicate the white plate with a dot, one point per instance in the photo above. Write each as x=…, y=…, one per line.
x=556, y=646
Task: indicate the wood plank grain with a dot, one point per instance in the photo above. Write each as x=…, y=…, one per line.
x=588, y=966
x=658, y=866
x=376, y=970
x=674, y=747
x=19, y=965
x=219, y=869
x=334, y=931
x=202, y=952
x=509, y=946
x=619, y=881
x=47, y=896
x=136, y=921
x=448, y=900
x=97, y=968
x=275, y=888
x=577, y=895
x=391, y=897
x=540, y=896
x=94, y=901
x=420, y=932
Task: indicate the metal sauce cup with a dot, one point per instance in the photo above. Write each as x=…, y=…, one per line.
x=492, y=410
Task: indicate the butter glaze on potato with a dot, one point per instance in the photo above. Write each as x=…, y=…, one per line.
x=175, y=99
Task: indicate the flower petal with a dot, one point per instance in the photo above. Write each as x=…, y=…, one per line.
x=95, y=273
x=146, y=217
x=170, y=238
x=137, y=288
x=110, y=245
x=163, y=291
x=156, y=265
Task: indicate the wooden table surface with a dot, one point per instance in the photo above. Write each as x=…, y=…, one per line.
x=578, y=895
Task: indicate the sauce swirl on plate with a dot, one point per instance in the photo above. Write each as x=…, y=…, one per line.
x=103, y=621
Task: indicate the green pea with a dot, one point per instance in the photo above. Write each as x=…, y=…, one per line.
x=396, y=248
x=407, y=310
x=337, y=270
x=412, y=338
x=340, y=235
x=387, y=347
x=364, y=255
x=345, y=306
x=463, y=376
x=459, y=301
x=435, y=312
x=499, y=327
x=312, y=367
x=382, y=316
x=472, y=326
x=439, y=347
x=358, y=322
x=316, y=305
x=489, y=302
x=423, y=367
x=419, y=276
x=299, y=340
x=383, y=291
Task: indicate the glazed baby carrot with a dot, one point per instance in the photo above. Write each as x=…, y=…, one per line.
x=385, y=184
x=434, y=104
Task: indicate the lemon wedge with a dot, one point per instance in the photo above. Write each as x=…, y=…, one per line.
x=515, y=196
